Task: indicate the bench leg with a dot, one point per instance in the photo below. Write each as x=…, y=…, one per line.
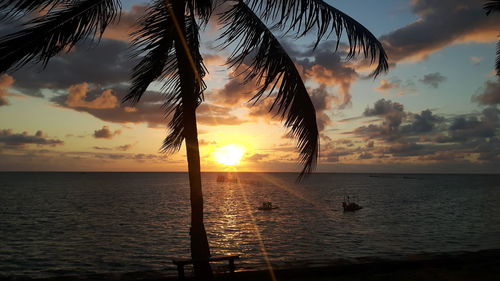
x=231, y=266
x=180, y=271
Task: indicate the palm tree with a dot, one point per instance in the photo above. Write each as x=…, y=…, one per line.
x=167, y=42
x=491, y=7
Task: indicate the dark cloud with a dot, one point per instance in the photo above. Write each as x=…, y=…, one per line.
x=440, y=23
x=105, y=133
x=365, y=155
x=102, y=65
x=393, y=113
x=235, y=91
x=329, y=69
x=433, y=79
x=490, y=95
x=463, y=128
x=11, y=139
x=404, y=148
x=443, y=156
x=423, y=122
x=124, y=147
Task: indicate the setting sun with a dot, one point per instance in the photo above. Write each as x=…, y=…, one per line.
x=229, y=155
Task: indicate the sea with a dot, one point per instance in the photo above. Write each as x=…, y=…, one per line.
x=58, y=224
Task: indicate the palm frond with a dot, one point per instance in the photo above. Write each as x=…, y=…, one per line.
x=14, y=8
x=59, y=30
x=492, y=6
x=497, y=64
x=154, y=40
x=274, y=70
x=203, y=8
x=302, y=16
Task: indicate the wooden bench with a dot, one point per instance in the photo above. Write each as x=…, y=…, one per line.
x=180, y=263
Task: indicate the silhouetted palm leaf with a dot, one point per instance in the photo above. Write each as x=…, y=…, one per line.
x=273, y=69
x=12, y=8
x=59, y=30
x=491, y=7
x=302, y=16
x=155, y=39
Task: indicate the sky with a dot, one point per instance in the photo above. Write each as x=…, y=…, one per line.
x=435, y=111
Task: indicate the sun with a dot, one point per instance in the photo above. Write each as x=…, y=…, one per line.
x=229, y=155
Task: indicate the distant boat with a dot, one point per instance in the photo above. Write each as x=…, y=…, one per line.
x=349, y=206
x=223, y=178
x=267, y=206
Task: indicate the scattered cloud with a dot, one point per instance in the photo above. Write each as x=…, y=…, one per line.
x=11, y=139
x=490, y=94
x=256, y=157
x=396, y=85
x=433, y=79
x=105, y=133
x=78, y=94
x=476, y=60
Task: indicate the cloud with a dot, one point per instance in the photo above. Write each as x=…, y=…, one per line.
x=122, y=29
x=257, y=157
x=393, y=112
x=476, y=60
x=103, y=65
x=6, y=82
x=440, y=23
x=387, y=85
x=234, y=92
x=215, y=115
x=395, y=84
x=78, y=98
x=11, y=139
x=404, y=148
x=463, y=128
x=105, y=133
x=365, y=155
x=433, y=79
x=423, y=122
x=124, y=147
x=330, y=70
x=490, y=94
x=104, y=105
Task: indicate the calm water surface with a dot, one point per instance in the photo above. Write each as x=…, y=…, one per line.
x=81, y=223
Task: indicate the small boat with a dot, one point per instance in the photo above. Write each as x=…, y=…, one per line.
x=350, y=206
x=267, y=206
x=230, y=179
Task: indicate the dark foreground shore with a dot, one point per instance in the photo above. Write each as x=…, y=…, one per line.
x=473, y=266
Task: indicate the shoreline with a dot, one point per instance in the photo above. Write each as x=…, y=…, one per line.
x=458, y=266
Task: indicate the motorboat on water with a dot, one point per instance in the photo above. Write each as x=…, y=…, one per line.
x=267, y=206
x=349, y=206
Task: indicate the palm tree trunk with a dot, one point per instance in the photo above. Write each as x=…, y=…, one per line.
x=200, y=250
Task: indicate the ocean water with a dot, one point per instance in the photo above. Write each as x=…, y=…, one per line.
x=54, y=224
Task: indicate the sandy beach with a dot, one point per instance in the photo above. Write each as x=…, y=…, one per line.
x=481, y=265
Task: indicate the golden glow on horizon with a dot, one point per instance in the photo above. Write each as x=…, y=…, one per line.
x=229, y=155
